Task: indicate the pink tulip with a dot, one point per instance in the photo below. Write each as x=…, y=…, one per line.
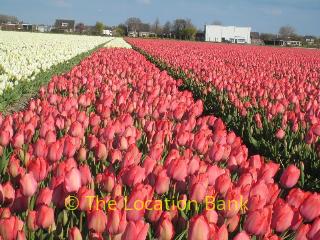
x=28, y=185
x=198, y=228
x=72, y=181
x=135, y=231
x=290, y=176
x=97, y=221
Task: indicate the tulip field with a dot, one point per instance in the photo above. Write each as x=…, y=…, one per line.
x=23, y=55
x=269, y=96
x=119, y=148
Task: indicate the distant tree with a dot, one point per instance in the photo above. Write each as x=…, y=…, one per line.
x=123, y=28
x=184, y=29
x=156, y=27
x=189, y=33
x=133, y=24
x=178, y=27
x=287, y=31
x=217, y=22
x=167, y=27
x=99, y=27
x=80, y=27
x=144, y=27
x=267, y=36
x=7, y=19
x=119, y=32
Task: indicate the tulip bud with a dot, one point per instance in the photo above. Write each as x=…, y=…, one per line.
x=282, y=216
x=31, y=221
x=165, y=229
x=97, y=221
x=310, y=208
x=290, y=176
x=280, y=134
x=28, y=185
x=116, y=221
x=72, y=181
x=198, y=228
x=45, y=217
x=136, y=230
x=74, y=234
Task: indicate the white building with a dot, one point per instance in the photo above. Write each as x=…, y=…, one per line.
x=107, y=32
x=217, y=33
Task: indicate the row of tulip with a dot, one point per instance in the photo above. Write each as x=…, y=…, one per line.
x=267, y=95
x=118, y=128
x=23, y=55
x=117, y=42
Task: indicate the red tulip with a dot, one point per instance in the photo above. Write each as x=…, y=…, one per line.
x=72, y=181
x=162, y=182
x=315, y=229
x=85, y=172
x=45, y=217
x=310, y=208
x=85, y=198
x=44, y=197
x=4, y=138
x=198, y=228
x=39, y=168
x=165, y=229
x=28, y=185
x=242, y=236
x=282, y=216
x=97, y=221
x=55, y=151
x=135, y=231
x=31, y=221
x=40, y=148
x=257, y=222
x=302, y=232
x=74, y=234
x=290, y=176
x=116, y=221
x=9, y=227
x=101, y=152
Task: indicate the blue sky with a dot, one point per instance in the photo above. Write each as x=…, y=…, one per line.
x=261, y=15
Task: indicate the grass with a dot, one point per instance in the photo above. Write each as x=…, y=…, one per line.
x=16, y=99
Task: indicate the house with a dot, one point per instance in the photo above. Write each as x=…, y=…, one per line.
x=283, y=42
x=43, y=28
x=293, y=43
x=310, y=40
x=107, y=32
x=133, y=34
x=11, y=27
x=62, y=25
x=232, y=34
x=28, y=27
x=147, y=34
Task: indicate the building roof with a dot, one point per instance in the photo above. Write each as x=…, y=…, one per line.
x=59, y=22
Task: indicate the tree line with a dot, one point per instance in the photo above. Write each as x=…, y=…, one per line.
x=179, y=28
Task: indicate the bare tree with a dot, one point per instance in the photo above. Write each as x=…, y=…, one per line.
x=156, y=27
x=217, y=22
x=7, y=19
x=287, y=31
x=134, y=24
x=184, y=29
x=167, y=28
x=80, y=27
